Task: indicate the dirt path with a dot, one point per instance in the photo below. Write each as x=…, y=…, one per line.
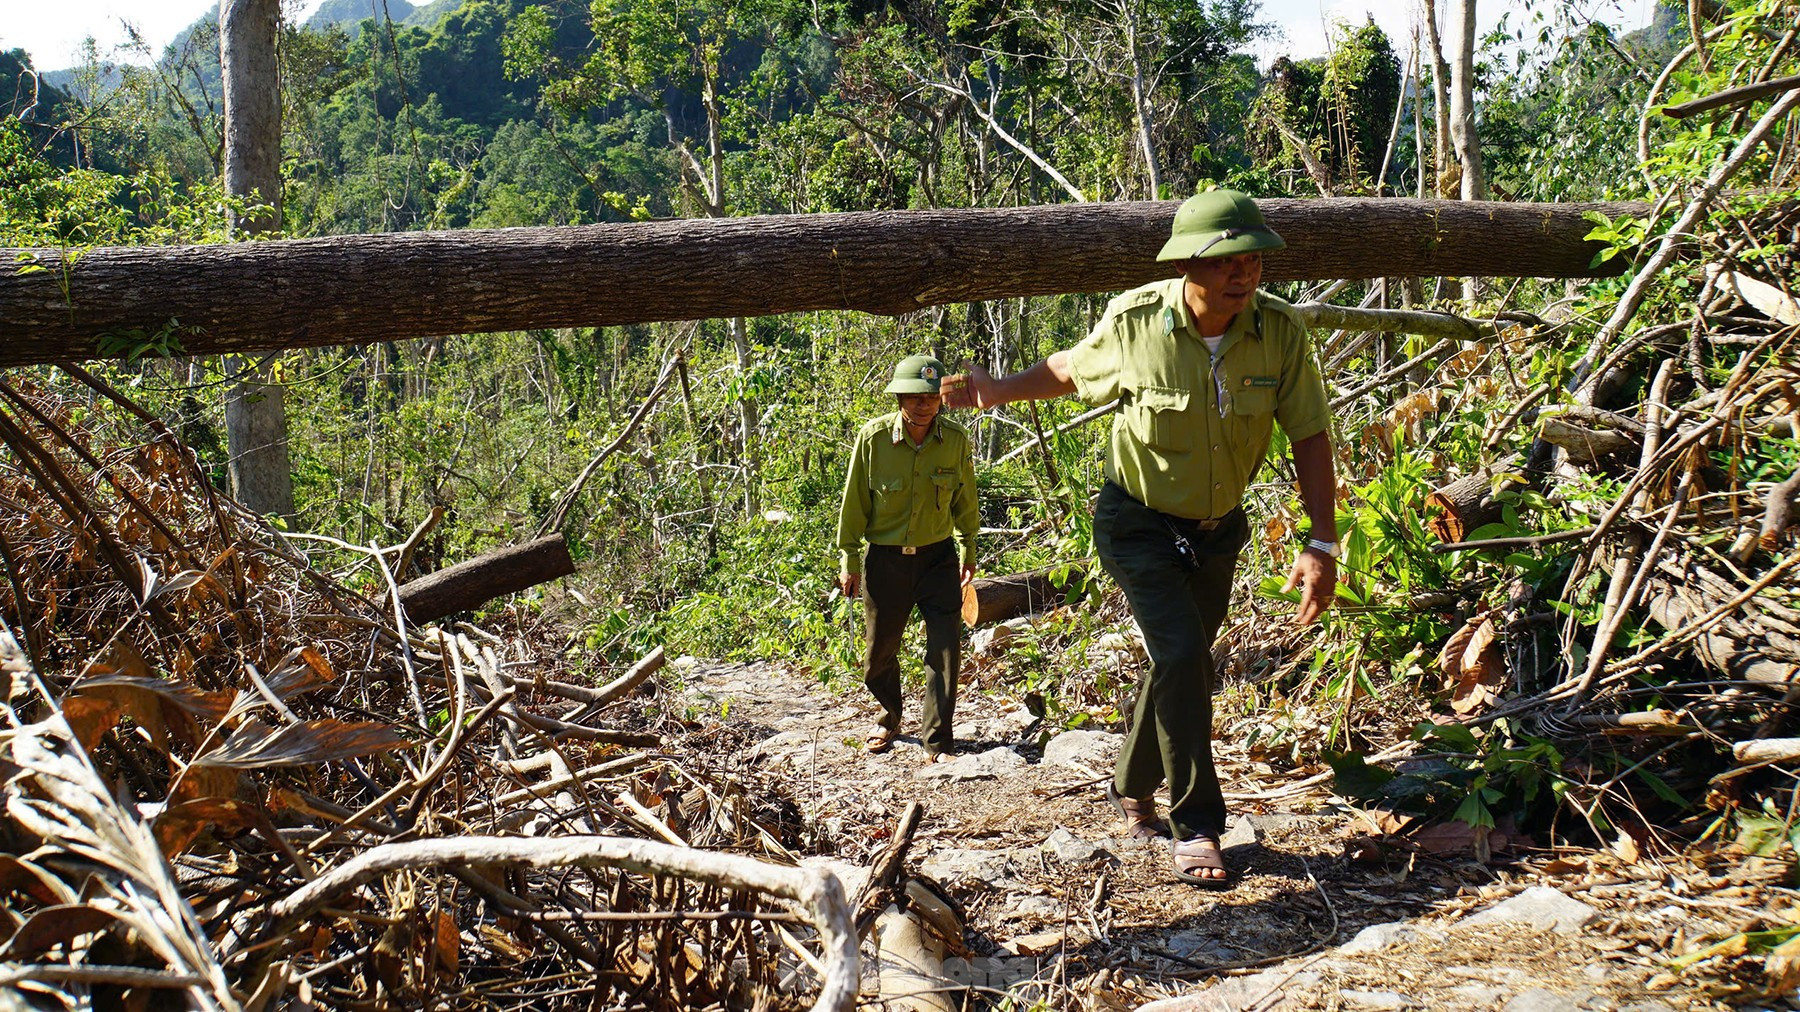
x=1062, y=910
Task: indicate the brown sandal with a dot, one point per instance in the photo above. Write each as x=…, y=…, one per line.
x=880, y=741
x=1141, y=822
x=1198, y=853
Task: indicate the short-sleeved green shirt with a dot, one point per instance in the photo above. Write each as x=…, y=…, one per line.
x=898, y=494
x=1192, y=427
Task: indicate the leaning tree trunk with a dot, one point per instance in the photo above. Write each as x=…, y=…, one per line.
x=295, y=293
x=255, y=410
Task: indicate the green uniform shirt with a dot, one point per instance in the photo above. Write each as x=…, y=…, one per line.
x=898, y=495
x=1192, y=427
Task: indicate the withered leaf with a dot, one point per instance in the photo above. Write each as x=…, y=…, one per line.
x=181, y=824
x=255, y=744
x=1481, y=671
x=302, y=670
x=90, y=717
x=53, y=926
x=448, y=941
x=24, y=877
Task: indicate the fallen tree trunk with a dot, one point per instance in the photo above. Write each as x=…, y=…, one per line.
x=1003, y=597
x=293, y=293
x=493, y=574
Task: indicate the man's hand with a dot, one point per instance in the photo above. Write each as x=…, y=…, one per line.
x=847, y=582
x=968, y=573
x=971, y=389
x=1315, y=573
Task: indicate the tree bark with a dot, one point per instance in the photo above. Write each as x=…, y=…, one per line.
x=1462, y=103
x=294, y=293
x=1004, y=597
x=1440, y=105
x=255, y=409
x=1466, y=504
x=479, y=580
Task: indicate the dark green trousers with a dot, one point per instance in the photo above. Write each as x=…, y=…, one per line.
x=893, y=584
x=1179, y=599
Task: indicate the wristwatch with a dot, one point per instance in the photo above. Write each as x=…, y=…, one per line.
x=1328, y=547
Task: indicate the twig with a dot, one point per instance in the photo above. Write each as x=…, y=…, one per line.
x=566, y=501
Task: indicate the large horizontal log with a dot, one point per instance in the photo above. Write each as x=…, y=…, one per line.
x=292, y=293
x=467, y=585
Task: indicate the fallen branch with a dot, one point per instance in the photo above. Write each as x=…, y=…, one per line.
x=1766, y=750
x=816, y=894
x=1741, y=95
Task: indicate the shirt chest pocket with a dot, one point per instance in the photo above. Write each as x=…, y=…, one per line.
x=1159, y=417
x=1250, y=422
x=943, y=485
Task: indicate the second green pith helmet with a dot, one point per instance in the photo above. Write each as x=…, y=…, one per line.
x=916, y=374
x=1218, y=223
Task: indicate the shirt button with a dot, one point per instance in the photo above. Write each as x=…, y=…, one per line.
x=1215, y=448
x=1218, y=485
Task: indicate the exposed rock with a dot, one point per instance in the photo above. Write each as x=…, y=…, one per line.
x=1262, y=991
x=1242, y=831
x=1089, y=748
x=1479, y=995
x=1540, y=906
x=968, y=867
x=1071, y=849
x=1540, y=999
x=1376, y=937
x=1040, y=907
x=1375, y=999
x=995, y=762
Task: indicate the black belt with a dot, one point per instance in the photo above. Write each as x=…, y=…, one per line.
x=1189, y=523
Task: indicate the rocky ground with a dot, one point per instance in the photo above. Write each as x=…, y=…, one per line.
x=1327, y=912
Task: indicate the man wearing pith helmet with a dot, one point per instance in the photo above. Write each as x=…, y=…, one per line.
x=910, y=496
x=1203, y=365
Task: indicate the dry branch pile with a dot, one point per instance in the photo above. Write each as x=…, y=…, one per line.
x=232, y=772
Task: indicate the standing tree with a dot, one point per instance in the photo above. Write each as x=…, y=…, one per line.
x=255, y=409
x=672, y=56
x=1462, y=101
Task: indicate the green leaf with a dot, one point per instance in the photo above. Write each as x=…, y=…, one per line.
x=1355, y=778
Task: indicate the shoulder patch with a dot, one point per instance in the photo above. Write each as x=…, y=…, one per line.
x=880, y=423
x=1145, y=296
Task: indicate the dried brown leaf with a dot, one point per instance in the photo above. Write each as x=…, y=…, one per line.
x=181, y=824
x=302, y=670
x=448, y=942
x=54, y=926
x=256, y=745
x=91, y=717
x=1481, y=673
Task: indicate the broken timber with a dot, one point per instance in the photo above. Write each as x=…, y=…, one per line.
x=294, y=293
x=470, y=584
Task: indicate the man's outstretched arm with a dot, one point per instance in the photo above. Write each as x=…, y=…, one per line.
x=978, y=389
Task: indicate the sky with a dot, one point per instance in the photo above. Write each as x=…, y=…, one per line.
x=52, y=30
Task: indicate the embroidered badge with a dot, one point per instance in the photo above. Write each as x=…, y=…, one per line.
x=1262, y=381
x=1168, y=320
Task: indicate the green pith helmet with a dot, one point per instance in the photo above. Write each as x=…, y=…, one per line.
x=1218, y=223
x=916, y=374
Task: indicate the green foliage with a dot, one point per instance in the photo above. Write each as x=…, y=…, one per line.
x=1469, y=778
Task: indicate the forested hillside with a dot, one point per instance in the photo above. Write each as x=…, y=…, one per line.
x=1568, y=614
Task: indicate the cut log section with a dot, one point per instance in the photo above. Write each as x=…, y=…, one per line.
x=1004, y=597
x=354, y=289
x=494, y=574
x=1466, y=504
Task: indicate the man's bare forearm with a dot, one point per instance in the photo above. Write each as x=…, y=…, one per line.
x=1314, y=468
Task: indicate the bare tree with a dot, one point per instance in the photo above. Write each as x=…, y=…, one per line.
x=1462, y=101
x=255, y=409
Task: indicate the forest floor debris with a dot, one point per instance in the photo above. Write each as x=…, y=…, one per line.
x=1326, y=913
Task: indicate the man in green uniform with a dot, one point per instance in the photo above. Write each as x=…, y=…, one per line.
x=1202, y=366
x=911, y=486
